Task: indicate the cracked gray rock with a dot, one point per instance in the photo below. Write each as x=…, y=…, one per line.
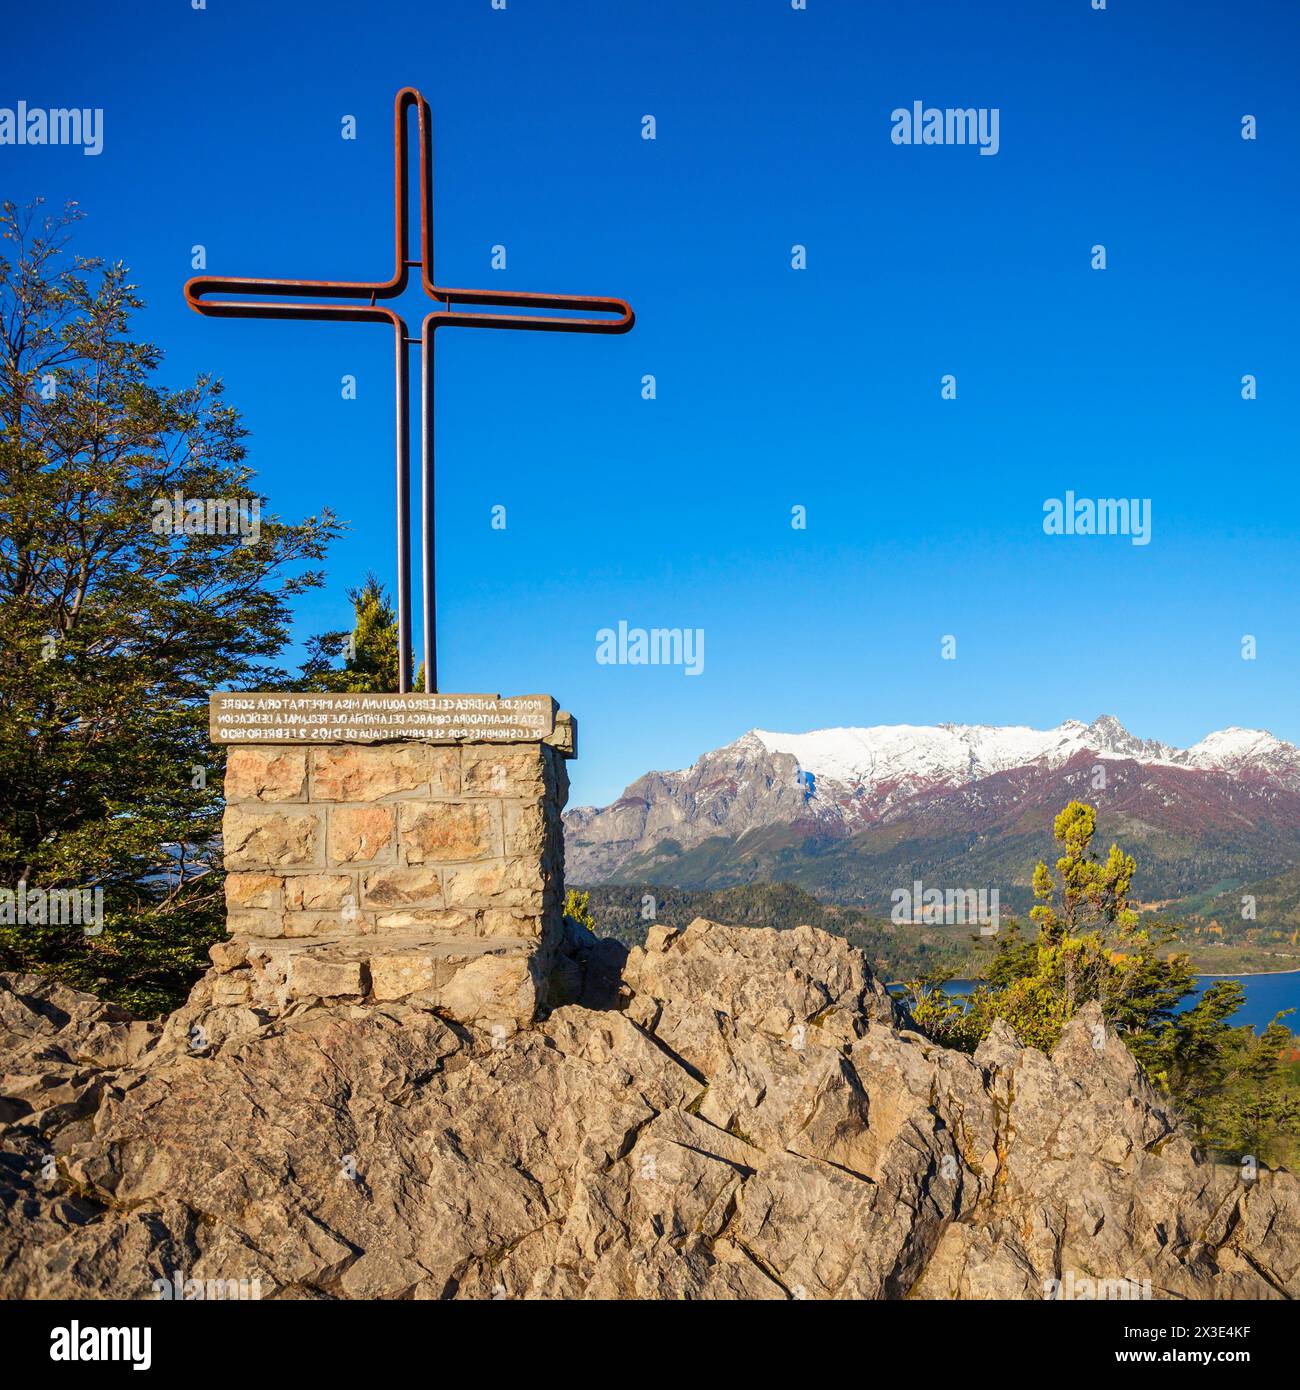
x=742, y=1115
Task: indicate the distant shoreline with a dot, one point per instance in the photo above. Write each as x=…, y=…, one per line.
x=1200, y=975
x=1241, y=974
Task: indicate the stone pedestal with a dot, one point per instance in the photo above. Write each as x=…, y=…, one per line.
x=377, y=871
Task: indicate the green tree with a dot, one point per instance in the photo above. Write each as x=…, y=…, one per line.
x=1091, y=945
x=1236, y=1087
x=369, y=652
x=120, y=610
x=577, y=907
x=944, y=1017
x=1234, y=1084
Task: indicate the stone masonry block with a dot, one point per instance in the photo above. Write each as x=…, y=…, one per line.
x=496, y=770
x=318, y=892
x=525, y=830
x=258, y=922
x=436, y=921
x=256, y=838
x=450, y=831
x=494, y=883
x=510, y=922
x=495, y=989
x=402, y=888
x=306, y=924
x=313, y=975
x=253, y=890
x=361, y=834
x=396, y=976
x=266, y=774
x=361, y=772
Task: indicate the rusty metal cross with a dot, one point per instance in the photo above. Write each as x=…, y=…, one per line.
x=446, y=317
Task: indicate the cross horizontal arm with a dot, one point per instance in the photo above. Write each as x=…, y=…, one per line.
x=196, y=289
x=580, y=304
x=577, y=303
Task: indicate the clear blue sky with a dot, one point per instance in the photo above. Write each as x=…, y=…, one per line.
x=775, y=387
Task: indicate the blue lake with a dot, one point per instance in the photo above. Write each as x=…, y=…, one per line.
x=1265, y=996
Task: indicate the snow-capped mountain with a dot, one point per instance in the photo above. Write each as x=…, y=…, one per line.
x=771, y=801
x=900, y=756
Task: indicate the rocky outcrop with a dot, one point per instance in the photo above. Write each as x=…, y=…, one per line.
x=729, y=1113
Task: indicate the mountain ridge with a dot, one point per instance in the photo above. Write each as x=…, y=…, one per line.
x=1221, y=749
x=849, y=813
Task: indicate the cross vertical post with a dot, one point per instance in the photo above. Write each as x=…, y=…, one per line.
x=402, y=378
x=428, y=574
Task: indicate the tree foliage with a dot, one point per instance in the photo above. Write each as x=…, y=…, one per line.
x=1236, y=1087
x=113, y=631
x=369, y=652
x=577, y=908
